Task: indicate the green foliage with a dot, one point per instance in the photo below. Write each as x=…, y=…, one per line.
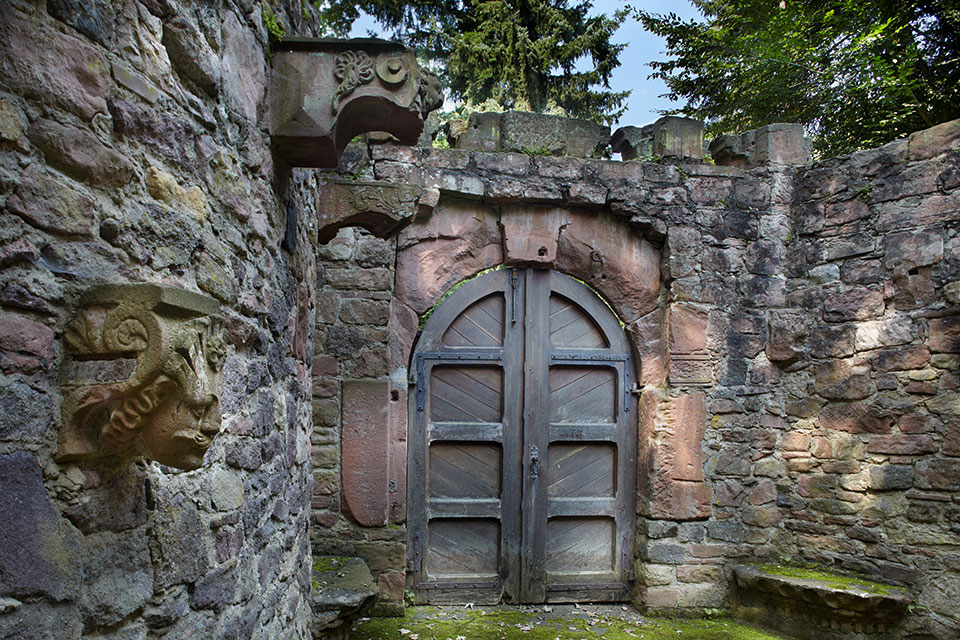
x=271, y=21
x=522, y=54
x=856, y=73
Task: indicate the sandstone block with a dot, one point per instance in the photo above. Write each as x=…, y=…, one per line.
x=525, y=132
x=365, y=451
x=910, y=249
x=856, y=417
x=52, y=67
x=940, y=474
x=516, y=164
x=80, y=154
x=781, y=143
x=934, y=141
x=943, y=335
x=23, y=336
x=243, y=73
x=40, y=553
x=903, y=445
x=845, y=211
x=900, y=358
x=191, y=55
x=789, y=331
x=859, y=303
x=688, y=328
x=884, y=333
x=891, y=477
x=530, y=234
x=114, y=582
x=843, y=379
x=50, y=204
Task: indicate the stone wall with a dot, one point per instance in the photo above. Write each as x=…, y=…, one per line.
x=797, y=348
x=133, y=148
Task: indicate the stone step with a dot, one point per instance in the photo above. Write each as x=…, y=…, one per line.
x=342, y=591
x=817, y=604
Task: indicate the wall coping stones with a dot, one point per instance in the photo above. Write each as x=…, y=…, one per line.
x=343, y=590
x=827, y=600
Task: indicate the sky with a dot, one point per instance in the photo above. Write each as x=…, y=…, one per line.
x=642, y=47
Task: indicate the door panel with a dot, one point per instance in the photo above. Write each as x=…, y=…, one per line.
x=520, y=453
x=582, y=395
x=479, y=326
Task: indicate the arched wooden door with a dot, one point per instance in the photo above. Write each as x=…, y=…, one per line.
x=522, y=446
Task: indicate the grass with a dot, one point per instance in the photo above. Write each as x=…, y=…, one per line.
x=609, y=623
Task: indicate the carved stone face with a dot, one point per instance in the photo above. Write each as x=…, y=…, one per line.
x=141, y=375
x=181, y=429
x=431, y=93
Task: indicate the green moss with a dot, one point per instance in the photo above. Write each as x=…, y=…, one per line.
x=329, y=563
x=428, y=623
x=325, y=563
x=835, y=580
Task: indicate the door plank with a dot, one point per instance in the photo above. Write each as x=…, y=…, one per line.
x=581, y=469
x=464, y=470
x=463, y=548
x=580, y=545
x=463, y=508
x=582, y=394
x=465, y=394
x=480, y=325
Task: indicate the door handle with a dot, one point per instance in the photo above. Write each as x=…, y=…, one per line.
x=534, y=463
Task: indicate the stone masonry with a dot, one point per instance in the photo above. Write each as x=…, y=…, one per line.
x=133, y=148
x=796, y=329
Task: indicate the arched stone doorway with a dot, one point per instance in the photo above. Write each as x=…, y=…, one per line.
x=521, y=445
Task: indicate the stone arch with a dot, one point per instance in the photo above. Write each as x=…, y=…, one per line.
x=463, y=238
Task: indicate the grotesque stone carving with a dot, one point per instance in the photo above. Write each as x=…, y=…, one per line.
x=383, y=208
x=140, y=375
x=369, y=85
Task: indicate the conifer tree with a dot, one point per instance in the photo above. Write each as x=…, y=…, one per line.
x=532, y=54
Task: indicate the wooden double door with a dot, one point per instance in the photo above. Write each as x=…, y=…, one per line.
x=521, y=446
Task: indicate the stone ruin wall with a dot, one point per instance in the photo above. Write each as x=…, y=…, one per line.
x=797, y=328
x=801, y=340
x=133, y=148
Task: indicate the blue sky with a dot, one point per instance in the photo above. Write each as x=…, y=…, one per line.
x=642, y=47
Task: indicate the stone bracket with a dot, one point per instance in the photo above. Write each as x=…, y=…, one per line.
x=383, y=208
x=325, y=92
x=140, y=375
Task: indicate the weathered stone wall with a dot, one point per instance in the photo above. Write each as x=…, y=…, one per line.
x=797, y=349
x=133, y=148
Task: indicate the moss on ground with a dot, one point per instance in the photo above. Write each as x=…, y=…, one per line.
x=432, y=623
x=835, y=580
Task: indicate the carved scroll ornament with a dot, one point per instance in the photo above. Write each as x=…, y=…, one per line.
x=140, y=375
x=323, y=93
x=382, y=208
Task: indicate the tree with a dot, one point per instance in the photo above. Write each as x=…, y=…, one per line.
x=518, y=53
x=856, y=73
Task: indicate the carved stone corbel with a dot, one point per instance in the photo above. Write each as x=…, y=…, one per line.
x=140, y=375
x=383, y=208
x=323, y=93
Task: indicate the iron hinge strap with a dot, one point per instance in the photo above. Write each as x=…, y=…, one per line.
x=514, y=294
x=415, y=561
